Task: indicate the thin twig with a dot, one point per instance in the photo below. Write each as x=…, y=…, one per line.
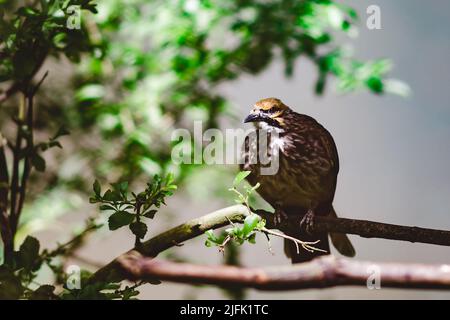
x=68, y=248
x=224, y=243
x=15, y=216
x=29, y=148
x=231, y=222
x=15, y=171
x=5, y=229
x=4, y=175
x=305, y=244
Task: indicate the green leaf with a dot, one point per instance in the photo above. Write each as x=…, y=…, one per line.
x=112, y=286
x=250, y=223
x=38, y=162
x=261, y=224
x=29, y=253
x=120, y=219
x=10, y=285
x=123, y=187
x=62, y=131
x=60, y=40
x=54, y=143
x=252, y=238
x=208, y=243
x=128, y=293
x=97, y=188
x=112, y=196
x=44, y=292
x=150, y=214
x=169, y=178
x=139, y=229
x=375, y=84
x=239, y=232
x=90, y=92
x=239, y=177
x=27, y=12
x=211, y=236
x=93, y=200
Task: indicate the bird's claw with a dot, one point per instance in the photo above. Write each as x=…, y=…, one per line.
x=307, y=222
x=279, y=217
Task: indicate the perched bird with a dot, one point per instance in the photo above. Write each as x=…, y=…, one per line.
x=305, y=181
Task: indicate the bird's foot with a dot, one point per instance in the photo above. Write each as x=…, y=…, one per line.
x=279, y=217
x=307, y=222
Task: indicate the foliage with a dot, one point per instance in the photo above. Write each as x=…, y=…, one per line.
x=239, y=233
x=28, y=36
x=17, y=276
x=143, y=69
x=128, y=211
x=34, y=32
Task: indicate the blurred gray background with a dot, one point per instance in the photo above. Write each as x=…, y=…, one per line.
x=395, y=152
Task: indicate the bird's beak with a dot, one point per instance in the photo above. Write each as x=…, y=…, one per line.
x=252, y=117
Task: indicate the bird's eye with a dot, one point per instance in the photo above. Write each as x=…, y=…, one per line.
x=274, y=110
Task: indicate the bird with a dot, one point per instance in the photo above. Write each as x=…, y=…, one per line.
x=306, y=176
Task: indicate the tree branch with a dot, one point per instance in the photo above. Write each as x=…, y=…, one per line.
x=371, y=229
x=175, y=236
x=29, y=97
x=322, y=272
x=4, y=175
x=222, y=217
x=5, y=229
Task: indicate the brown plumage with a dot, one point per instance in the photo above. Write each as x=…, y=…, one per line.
x=305, y=182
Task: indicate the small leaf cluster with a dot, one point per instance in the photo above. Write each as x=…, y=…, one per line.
x=129, y=208
x=238, y=233
x=252, y=223
x=248, y=190
x=16, y=277
x=36, y=159
x=35, y=31
x=99, y=290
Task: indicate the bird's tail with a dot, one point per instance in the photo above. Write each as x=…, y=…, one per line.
x=340, y=240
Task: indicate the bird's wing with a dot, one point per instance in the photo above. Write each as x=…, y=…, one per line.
x=314, y=146
x=313, y=158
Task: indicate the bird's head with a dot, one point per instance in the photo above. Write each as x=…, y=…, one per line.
x=270, y=111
